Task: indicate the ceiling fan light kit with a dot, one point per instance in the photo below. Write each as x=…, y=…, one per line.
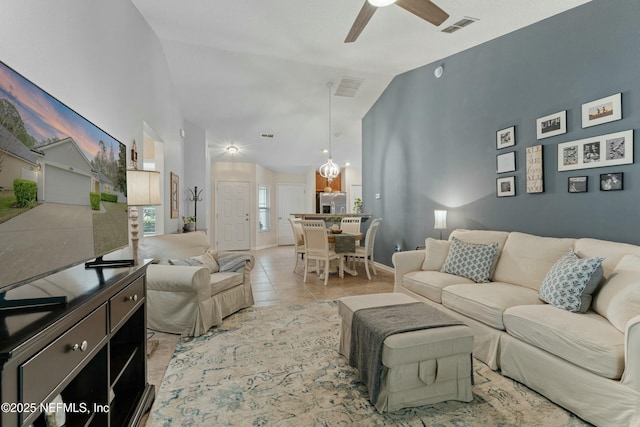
x=381, y=3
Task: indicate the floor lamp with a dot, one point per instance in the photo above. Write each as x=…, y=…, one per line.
x=143, y=189
x=440, y=220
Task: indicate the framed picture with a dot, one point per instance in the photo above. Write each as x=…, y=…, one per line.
x=134, y=155
x=611, y=181
x=175, y=196
x=534, y=169
x=506, y=162
x=506, y=138
x=598, y=151
x=578, y=184
x=602, y=110
x=506, y=187
x=551, y=125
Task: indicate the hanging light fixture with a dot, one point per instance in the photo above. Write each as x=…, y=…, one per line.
x=329, y=170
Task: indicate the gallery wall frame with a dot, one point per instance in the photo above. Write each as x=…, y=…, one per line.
x=506, y=162
x=578, y=184
x=506, y=138
x=611, y=181
x=506, y=187
x=598, y=151
x=603, y=110
x=551, y=125
x=534, y=169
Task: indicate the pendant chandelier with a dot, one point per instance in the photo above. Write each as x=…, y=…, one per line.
x=329, y=170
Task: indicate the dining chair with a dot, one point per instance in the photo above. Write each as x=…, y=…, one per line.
x=298, y=239
x=316, y=245
x=350, y=225
x=366, y=252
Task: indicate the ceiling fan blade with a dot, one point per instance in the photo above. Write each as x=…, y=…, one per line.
x=425, y=10
x=361, y=21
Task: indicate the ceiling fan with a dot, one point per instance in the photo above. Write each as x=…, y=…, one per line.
x=421, y=8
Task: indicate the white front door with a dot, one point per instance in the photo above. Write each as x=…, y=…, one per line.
x=291, y=199
x=233, y=207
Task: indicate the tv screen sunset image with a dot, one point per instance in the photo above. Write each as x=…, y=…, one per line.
x=62, y=184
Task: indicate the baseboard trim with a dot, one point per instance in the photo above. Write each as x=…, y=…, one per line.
x=263, y=247
x=383, y=267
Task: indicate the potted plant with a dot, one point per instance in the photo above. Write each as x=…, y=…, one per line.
x=188, y=223
x=358, y=206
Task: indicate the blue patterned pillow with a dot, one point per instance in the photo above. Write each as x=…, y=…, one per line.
x=571, y=282
x=471, y=260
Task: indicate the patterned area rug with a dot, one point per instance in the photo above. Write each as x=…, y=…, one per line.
x=279, y=366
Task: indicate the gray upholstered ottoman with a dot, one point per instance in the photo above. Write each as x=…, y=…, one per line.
x=419, y=367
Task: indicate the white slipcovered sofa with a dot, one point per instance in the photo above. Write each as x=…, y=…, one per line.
x=186, y=292
x=587, y=362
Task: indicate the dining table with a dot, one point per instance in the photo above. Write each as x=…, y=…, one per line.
x=343, y=243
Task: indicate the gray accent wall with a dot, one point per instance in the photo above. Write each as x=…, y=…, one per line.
x=430, y=143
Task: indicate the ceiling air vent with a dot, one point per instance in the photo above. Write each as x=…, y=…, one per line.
x=459, y=25
x=348, y=86
x=266, y=135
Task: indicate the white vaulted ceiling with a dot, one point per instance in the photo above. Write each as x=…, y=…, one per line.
x=246, y=67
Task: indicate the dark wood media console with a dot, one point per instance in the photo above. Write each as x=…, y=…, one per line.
x=91, y=351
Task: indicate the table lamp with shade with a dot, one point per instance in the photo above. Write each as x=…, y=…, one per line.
x=440, y=220
x=143, y=189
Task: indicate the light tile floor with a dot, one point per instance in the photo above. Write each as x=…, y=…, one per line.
x=275, y=282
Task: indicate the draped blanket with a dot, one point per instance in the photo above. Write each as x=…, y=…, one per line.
x=371, y=326
x=235, y=261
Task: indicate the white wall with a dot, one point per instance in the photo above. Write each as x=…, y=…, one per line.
x=195, y=173
x=311, y=190
x=102, y=60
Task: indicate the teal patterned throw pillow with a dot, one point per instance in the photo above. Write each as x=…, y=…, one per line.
x=571, y=282
x=471, y=260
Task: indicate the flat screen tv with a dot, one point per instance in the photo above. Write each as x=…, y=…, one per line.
x=62, y=185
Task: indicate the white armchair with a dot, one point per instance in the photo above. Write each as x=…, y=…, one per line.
x=189, y=300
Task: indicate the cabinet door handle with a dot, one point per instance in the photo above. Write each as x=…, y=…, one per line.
x=81, y=347
x=133, y=298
